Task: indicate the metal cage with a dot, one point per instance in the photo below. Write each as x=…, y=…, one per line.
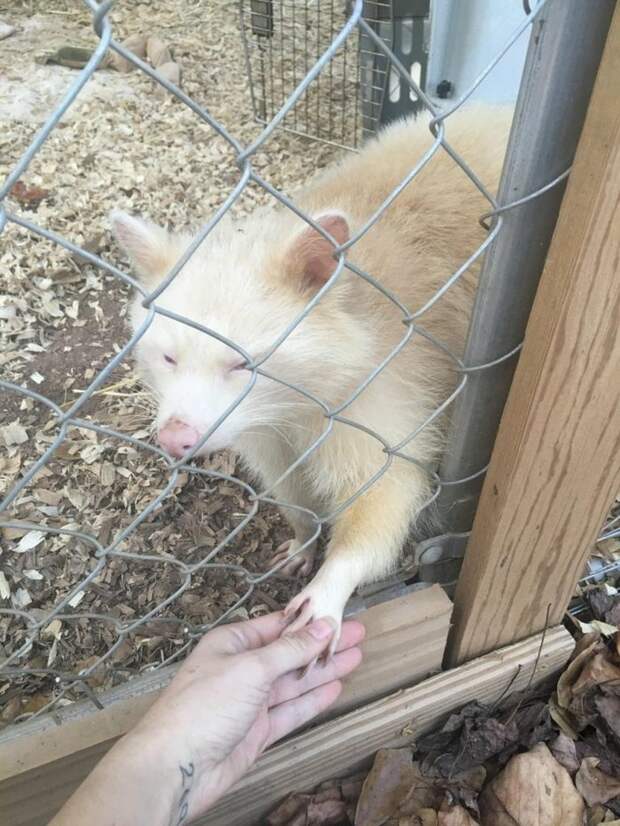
x=360, y=90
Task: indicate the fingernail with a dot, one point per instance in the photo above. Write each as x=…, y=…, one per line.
x=322, y=629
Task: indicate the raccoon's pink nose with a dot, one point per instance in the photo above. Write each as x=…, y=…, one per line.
x=177, y=437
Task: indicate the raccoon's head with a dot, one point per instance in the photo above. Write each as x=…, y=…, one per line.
x=219, y=352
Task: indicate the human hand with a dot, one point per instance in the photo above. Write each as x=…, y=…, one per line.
x=237, y=693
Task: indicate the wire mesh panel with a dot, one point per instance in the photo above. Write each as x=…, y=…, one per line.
x=104, y=557
x=281, y=40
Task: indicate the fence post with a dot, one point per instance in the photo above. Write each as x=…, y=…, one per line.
x=555, y=467
x=564, y=52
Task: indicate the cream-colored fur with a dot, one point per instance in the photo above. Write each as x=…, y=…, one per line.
x=243, y=283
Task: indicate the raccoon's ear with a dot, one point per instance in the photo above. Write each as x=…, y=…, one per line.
x=149, y=247
x=311, y=256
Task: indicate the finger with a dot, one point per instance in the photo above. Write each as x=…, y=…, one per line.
x=244, y=636
x=290, y=686
x=287, y=717
x=352, y=633
x=293, y=651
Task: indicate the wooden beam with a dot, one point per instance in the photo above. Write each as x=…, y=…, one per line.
x=43, y=761
x=555, y=467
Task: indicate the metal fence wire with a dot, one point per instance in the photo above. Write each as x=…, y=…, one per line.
x=27, y=628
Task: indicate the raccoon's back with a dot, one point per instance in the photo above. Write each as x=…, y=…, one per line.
x=432, y=227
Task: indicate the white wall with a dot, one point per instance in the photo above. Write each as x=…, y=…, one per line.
x=465, y=36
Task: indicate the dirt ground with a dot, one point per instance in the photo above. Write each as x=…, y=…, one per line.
x=120, y=145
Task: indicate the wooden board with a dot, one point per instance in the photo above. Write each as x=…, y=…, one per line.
x=555, y=467
x=404, y=643
x=42, y=762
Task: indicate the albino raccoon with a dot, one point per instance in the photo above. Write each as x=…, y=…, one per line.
x=252, y=277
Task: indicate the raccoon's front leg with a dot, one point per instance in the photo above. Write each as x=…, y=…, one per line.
x=297, y=553
x=270, y=458
x=365, y=545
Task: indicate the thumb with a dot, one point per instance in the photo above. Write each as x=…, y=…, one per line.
x=293, y=651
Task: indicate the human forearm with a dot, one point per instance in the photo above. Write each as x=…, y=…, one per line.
x=133, y=784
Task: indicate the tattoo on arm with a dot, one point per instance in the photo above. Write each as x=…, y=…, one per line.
x=187, y=778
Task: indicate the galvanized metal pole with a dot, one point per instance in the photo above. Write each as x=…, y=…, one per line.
x=565, y=48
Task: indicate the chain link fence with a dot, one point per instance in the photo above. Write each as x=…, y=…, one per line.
x=26, y=628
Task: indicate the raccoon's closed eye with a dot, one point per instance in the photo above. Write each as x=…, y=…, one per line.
x=240, y=365
x=169, y=359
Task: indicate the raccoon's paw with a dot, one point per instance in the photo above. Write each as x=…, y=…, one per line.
x=317, y=601
x=299, y=562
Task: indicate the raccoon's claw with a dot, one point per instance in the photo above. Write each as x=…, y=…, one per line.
x=305, y=671
x=311, y=604
x=299, y=562
x=299, y=611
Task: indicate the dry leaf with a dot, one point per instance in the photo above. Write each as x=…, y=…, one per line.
x=11, y=710
x=564, y=750
x=21, y=598
x=456, y=816
x=51, y=657
x=287, y=810
x=605, y=628
x=36, y=702
x=325, y=813
x=594, y=784
x=29, y=541
x=425, y=793
x=107, y=474
x=600, y=814
x=49, y=497
x=426, y=817
x=586, y=647
x=53, y=629
x=608, y=707
x=29, y=195
x=477, y=733
x=597, y=672
x=330, y=804
x=5, y=588
x=391, y=778
x=76, y=599
x=561, y=718
x=14, y=434
x=593, y=672
x=97, y=677
x=533, y=790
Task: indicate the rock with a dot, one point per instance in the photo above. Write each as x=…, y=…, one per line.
x=135, y=43
x=157, y=52
x=170, y=71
